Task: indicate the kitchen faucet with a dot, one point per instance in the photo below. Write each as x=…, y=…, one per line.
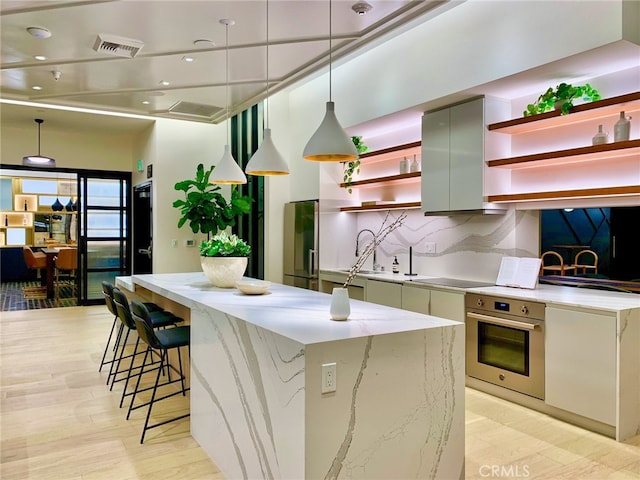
x=376, y=266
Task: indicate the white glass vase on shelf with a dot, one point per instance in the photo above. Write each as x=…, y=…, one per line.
x=622, y=128
x=601, y=137
x=415, y=166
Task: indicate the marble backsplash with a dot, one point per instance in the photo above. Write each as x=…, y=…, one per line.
x=466, y=246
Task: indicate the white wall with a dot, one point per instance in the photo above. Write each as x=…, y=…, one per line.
x=179, y=147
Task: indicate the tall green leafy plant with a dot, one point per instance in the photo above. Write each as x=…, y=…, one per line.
x=204, y=208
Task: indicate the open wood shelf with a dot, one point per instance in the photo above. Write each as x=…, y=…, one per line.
x=629, y=102
x=389, y=153
x=558, y=194
x=592, y=152
x=387, y=179
x=384, y=206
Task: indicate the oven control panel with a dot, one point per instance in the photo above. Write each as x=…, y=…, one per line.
x=505, y=306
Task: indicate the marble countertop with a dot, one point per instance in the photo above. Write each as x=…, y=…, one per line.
x=550, y=294
x=568, y=296
x=295, y=313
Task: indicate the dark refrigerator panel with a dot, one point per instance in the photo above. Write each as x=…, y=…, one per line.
x=301, y=244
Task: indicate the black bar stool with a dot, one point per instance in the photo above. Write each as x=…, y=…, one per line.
x=159, y=319
x=159, y=341
x=107, y=292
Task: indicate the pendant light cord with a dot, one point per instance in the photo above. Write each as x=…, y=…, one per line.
x=39, y=123
x=227, y=79
x=330, y=50
x=266, y=105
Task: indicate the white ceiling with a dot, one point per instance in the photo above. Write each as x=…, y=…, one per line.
x=298, y=40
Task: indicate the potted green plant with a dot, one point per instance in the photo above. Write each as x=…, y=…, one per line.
x=204, y=208
x=562, y=97
x=350, y=168
x=224, y=259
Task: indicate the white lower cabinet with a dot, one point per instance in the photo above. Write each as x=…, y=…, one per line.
x=580, y=363
x=415, y=299
x=383, y=293
x=447, y=304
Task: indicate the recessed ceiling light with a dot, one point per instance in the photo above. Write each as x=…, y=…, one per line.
x=165, y=83
x=204, y=43
x=40, y=57
x=39, y=32
x=36, y=87
x=188, y=59
x=146, y=102
x=361, y=8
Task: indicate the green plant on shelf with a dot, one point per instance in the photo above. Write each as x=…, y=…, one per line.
x=562, y=97
x=353, y=167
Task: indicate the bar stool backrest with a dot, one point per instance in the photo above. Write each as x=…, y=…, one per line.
x=107, y=292
x=122, y=307
x=142, y=321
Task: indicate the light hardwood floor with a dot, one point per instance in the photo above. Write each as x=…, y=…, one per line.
x=59, y=421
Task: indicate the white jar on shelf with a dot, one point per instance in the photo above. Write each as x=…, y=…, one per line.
x=622, y=128
x=600, y=137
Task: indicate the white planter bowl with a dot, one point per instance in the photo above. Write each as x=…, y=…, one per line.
x=224, y=272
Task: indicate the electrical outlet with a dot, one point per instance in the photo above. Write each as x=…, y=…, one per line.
x=174, y=243
x=328, y=377
x=430, y=247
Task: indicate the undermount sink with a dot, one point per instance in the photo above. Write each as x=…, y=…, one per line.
x=364, y=272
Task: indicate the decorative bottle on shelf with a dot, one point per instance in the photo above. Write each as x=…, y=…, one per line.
x=415, y=166
x=600, y=137
x=25, y=206
x=395, y=267
x=404, y=166
x=622, y=128
x=6, y=220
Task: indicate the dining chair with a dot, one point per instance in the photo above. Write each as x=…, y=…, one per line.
x=553, y=261
x=34, y=260
x=66, y=261
x=586, y=260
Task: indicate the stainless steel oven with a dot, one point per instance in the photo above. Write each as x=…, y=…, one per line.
x=505, y=342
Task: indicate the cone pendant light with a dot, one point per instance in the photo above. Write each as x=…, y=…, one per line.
x=267, y=160
x=330, y=143
x=227, y=171
x=38, y=160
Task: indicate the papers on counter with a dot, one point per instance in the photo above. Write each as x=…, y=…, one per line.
x=520, y=272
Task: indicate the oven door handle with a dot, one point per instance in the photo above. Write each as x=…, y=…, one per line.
x=502, y=321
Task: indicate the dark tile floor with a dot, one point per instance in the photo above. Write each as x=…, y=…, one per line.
x=12, y=297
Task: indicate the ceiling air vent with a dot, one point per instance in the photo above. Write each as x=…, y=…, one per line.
x=195, y=109
x=117, y=46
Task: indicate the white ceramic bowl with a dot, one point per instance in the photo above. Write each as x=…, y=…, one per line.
x=253, y=287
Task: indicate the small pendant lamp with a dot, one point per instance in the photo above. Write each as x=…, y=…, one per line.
x=38, y=160
x=267, y=160
x=57, y=205
x=330, y=143
x=227, y=171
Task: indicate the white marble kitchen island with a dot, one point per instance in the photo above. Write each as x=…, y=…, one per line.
x=256, y=402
